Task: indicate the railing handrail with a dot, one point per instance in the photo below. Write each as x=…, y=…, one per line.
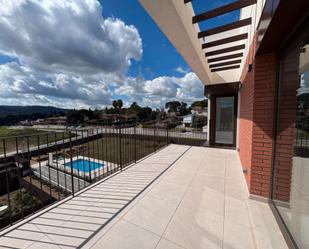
x=60, y=163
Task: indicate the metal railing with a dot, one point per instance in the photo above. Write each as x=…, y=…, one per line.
x=38, y=170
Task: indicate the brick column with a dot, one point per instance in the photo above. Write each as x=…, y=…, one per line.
x=289, y=83
x=265, y=67
x=257, y=103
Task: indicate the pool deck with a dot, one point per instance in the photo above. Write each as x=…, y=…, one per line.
x=180, y=197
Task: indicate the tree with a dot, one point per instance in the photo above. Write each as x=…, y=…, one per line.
x=202, y=103
x=183, y=110
x=144, y=113
x=117, y=104
x=80, y=116
x=134, y=108
x=172, y=106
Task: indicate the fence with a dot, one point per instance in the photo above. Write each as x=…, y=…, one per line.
x=37, y=170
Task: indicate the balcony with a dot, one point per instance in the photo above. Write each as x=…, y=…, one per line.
x=179, y=196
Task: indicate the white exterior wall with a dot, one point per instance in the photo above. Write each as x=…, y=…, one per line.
x=253, y=11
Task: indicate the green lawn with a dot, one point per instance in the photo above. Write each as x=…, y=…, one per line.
x=7, y=132
x=108, y=149
x=23, y=136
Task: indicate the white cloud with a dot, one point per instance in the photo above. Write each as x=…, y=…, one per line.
x=180, y=69
x=162, y=89
x=67, y=36
x=66, y=54
x=161, y=86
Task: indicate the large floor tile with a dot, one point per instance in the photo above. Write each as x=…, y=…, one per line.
x=195, y=230
x=201, y=201
x=12, y=242
x=204, y=200
x=206, y=181
x=152, y=214
x=169, y=192
x=236, y=236
x=236, y=211
x=125, y=235
x=165, y=244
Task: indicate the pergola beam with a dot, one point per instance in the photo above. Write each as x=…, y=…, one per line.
x=227, y=63
x=227, y=27
x=225, y=50
x=225, y=68
x=222, y=10
x=227, y=57
x=225, y=40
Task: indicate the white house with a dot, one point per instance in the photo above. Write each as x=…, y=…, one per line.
x=187, y=120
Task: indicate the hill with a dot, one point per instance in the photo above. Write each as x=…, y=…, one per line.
x=6, y=110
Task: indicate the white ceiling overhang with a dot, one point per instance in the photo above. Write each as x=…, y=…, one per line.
x=215, y=55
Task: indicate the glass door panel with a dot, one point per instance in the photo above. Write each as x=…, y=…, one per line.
x=225, y=120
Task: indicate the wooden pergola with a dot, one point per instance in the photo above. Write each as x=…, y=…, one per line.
x=217, y=58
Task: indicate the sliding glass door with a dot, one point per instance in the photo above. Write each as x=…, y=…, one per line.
x=225, y=120
x=291, y=162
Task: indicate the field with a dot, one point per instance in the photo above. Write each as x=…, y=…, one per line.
x=108, y=148
x=26, y=136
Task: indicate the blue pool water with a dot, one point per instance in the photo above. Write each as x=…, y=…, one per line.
x=84, y=165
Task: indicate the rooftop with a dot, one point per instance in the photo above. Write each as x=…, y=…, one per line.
x=179, y=197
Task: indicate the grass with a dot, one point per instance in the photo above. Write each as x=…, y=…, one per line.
x=22, y=136
x=108, y=149
x=22, y=204
x=8, y=132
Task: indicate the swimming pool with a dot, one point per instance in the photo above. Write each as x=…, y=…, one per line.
x=84, y=165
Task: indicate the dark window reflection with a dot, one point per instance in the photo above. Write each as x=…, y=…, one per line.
x=291, y=168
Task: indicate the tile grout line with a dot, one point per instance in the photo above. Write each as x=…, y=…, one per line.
x=139, y=194
x=200, y=162
x=224, y=203
x=157, y=180
x=64, y=202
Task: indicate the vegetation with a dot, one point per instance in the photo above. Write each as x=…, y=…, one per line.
x=10, y=115
x=22, y=136
x=202, y=103
x=107, y=149
x=21, y=202
x=176, y=106
x=7, y=132
x=112, y=114
x=117, y=104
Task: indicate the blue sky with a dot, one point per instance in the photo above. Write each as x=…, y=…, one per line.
x=86, y=53
x=159, y=57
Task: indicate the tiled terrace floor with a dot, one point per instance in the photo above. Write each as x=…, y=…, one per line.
x=195, y=198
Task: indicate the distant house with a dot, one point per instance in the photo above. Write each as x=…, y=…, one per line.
x=198, y=110
x=62, y=120
x=114, y=118
x=187, y=120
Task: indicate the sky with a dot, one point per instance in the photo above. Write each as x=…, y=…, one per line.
x=86, y=53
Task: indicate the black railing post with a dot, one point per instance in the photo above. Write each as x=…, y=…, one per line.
x=120, y=145
x=135, y=159
x=167, y=135
x=88, y=155
x=57, y=158
x=17, y=161
x=49, y=164
x=71, y=163
x=154, y=138
x=7, y=176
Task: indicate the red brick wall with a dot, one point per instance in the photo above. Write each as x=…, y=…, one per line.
x=257, y=101
x=286, y=127
x=246, y=115
x=265, y=67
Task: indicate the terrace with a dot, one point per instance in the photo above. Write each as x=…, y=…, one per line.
x=179, y=197
x=139, y=186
